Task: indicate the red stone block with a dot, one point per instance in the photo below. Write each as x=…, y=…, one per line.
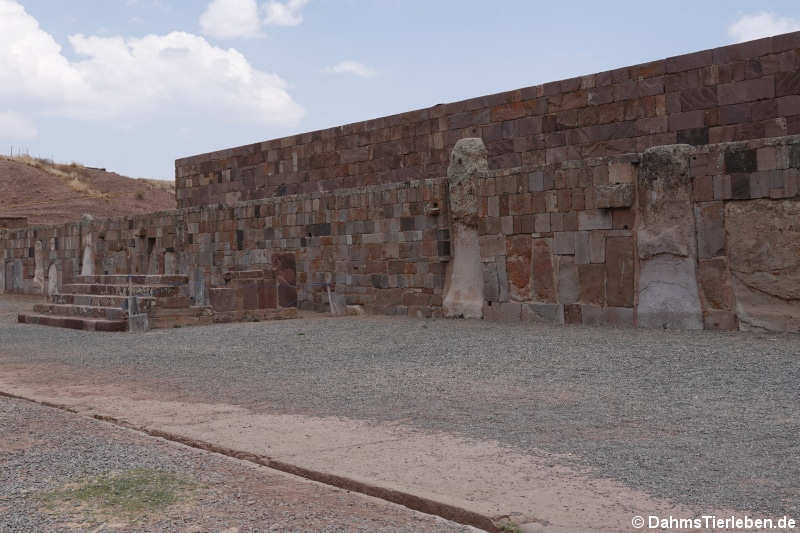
x=572, y=314
x=623, y=218
x=518, y=262
x=619, y=271
x=742, y=51
x=267, y=295
x=716, y=290
x=592, y=282
x=703, y=189
x=746, y=91
x=544, y=286
x=787, y=41
x=688, y=120
x=702, y=98
x=689, y=61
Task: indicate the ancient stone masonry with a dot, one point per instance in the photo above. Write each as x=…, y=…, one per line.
x=734, y=93
x=662, y=195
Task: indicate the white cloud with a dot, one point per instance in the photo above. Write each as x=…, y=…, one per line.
x=243, y=19
x=764, y=24
x=16, y=127
x=351, y=67
x=284, y=14
x=231, y=19
x=177, y=74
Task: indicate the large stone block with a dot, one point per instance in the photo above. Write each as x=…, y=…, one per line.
x=537, y=312
x=710, y=230
x=592, y=315
x=668, y=296
x=509, y=312
x=617, y=195
x=619, y=271
x=667, y=289
x=544, y=285
x=593, y=219
x=592, y=281
x=518, y=264
x=764, y=259
x=568, y=283
x=715, y=284
x=464, y=284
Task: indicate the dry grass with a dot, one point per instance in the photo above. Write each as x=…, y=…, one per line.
x=75, y=175
x=79, y=179
x=164, y=185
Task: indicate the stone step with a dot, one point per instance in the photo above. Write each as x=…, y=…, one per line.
x=136, y=279
x=86, y=311
x=98, y=300
x=158, y=291
x=72, y=322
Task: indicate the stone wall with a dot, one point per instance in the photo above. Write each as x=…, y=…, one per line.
x=662, y=195
x=734, y=93
x=382, y=247
x=674, y=237
x=13, y=222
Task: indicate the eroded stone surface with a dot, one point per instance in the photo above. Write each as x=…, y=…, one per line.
x=519, y=266
x=764, y=255
x=53, y=280
x=667, y=290
x=464, y=284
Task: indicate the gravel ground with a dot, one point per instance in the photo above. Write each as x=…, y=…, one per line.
x=42, y=449
x=705, y=419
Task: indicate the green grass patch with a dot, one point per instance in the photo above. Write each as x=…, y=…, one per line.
x=130, y=495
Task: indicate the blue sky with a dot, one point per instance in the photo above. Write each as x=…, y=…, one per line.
x=132, y=85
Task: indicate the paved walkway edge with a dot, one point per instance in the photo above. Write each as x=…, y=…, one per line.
x=406, y=499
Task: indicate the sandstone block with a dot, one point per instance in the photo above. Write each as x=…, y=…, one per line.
x=592, y=282
x=564, y=243
x=593, y=315
x=568, y=282
x=597, y=246
x=764, y=259
x=716, y=290
x=544, y=285
x=621, y=172
x=619, y=195
x=710, y=230
x=549, y=313
x=619, y=271
x=593, y=219
x=720, y=321
x=582, y=248
x=518, y=261
x=509, y=312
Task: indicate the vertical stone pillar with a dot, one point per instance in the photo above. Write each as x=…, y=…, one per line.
x=38, y=267
x=53, y=280
x=87, y=262
x=665, y=235
x=464, y=284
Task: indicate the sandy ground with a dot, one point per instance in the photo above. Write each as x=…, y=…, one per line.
x=549, y=488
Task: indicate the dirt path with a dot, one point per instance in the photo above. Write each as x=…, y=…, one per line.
x=468, y=479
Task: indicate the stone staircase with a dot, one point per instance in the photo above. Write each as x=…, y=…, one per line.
x=101, y=303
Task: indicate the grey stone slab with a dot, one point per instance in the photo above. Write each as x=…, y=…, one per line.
x=542, y=312
x=593, y=219
x=564, y=243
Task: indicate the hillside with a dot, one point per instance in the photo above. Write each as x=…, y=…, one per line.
x=49, y=193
